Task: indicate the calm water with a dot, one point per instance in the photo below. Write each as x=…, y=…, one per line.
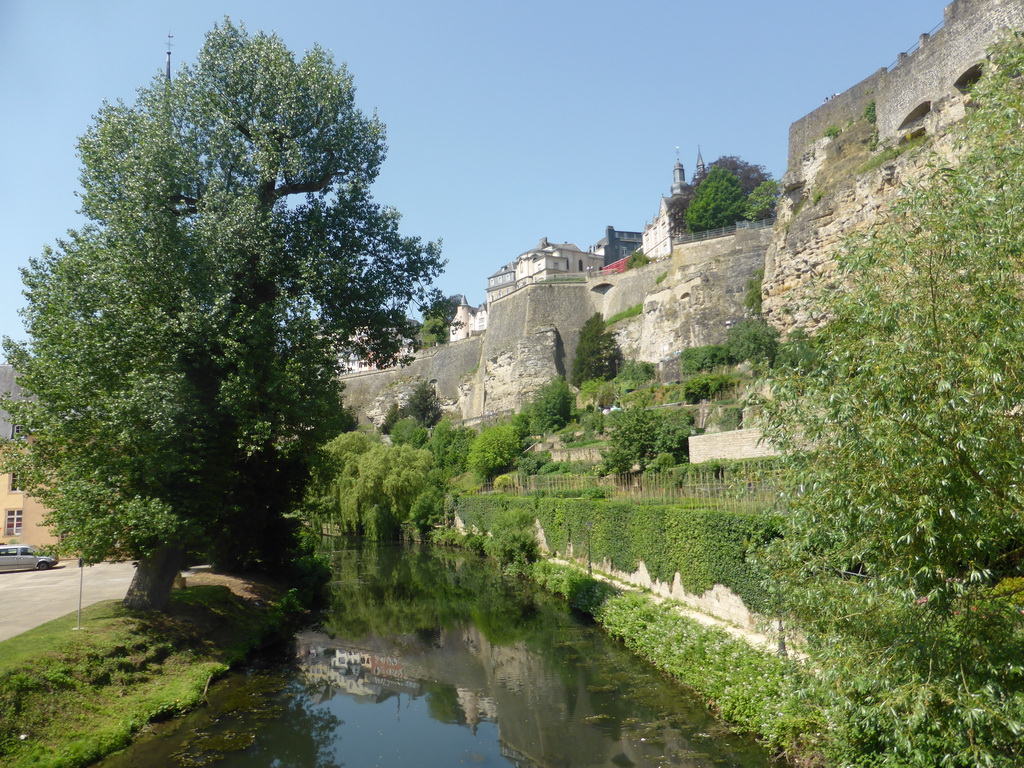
x=429, y=658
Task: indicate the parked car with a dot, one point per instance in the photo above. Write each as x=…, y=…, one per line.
x=18, y=557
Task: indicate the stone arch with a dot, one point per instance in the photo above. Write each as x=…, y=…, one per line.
x=602, y=288
x=970, y=76
x=917, y=113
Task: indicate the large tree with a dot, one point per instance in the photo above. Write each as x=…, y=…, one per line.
x=597, y=354
x=903, y=554
x=183, y=351
x=718, y=202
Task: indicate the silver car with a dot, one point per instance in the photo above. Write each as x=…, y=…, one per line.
x=19, y=557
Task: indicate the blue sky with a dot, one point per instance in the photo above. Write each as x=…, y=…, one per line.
x=507, y=121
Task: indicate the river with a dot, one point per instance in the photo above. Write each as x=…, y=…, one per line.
x=431, y=658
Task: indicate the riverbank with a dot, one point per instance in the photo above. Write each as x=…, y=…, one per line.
x=68, y=697
x=746, y=685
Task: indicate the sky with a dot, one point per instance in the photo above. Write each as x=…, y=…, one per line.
x=506, y=121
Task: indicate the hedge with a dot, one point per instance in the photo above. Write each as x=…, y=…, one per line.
x=705, y=547
x=752, y=689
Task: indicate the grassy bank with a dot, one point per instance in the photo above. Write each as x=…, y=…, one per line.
x=69, y=697
x=753, y=690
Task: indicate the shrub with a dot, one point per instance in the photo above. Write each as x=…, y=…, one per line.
x=625, y=314
x=494, y=449
x=705, y=358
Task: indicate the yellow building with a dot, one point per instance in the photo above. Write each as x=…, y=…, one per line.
x=22, y=515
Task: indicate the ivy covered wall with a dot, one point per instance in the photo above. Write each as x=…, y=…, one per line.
x=704, y=547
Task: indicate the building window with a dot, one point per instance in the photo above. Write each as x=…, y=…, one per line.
x=12, y=525
x=18, y=432
x=15, y=483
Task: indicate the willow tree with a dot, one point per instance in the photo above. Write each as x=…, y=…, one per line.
x=903, y=556
x=184, y=344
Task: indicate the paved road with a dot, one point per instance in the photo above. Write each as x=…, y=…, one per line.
x=31, y=598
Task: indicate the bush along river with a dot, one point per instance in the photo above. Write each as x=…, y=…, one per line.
x=429, y=657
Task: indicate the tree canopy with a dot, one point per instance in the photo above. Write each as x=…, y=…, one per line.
x=183, y=351
x=597, y=354
x=904, y=542
x=718, y=202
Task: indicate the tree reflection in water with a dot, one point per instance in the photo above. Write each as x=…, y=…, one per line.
x=430, y=658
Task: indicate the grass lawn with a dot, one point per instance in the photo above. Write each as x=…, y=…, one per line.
x=69, y=697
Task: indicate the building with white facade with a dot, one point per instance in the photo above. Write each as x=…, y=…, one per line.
x=546, y=261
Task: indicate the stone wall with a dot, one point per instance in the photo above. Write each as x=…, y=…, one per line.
x=739, y=444
x=699, y=299
x=927, y=75
x=372, y=393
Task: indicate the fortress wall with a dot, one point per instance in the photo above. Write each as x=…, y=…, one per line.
x=848, y=105
x=702, y=295
x=445, y=365
x=564, y=306
x=970, y=28
x=628, y=289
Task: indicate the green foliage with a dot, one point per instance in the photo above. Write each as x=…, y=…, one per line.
x=638, y=435
x=797, y=352
x=752, y=341
x=625, y=314
x=598, y=392
x=904, y=441
x=892, y=153
x=495, y=449
x=364, y=488
x=82, y=695
x=661, y=278
x=761, y=202
x=434, y=331
x=705, y=358
x=869, y=112
x=704, y=547
x=752, y=298
x=718, y=202
x=533, y=462
x=637, y=259
x=596, y=352
x=408, y=431
x=449, y=445
x=705, y=386
x=423, y=405
x=393, y=415
x=185, y=343
x=634, y=374
x=513, y=540
x=832, y=132
x=551, y=408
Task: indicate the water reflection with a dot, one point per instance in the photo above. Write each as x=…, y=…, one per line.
x=483, y=650
x=429, y=658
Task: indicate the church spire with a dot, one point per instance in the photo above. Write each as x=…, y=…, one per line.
x=169, y=36
x=700, y=162
x=678, y=176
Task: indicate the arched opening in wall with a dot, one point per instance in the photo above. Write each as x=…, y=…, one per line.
x=602, y=289
x=966, y=81
x=912, y=122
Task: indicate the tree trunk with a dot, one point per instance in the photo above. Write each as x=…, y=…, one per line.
x=151, y=588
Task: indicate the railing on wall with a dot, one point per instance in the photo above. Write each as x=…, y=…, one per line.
x=747, y=488
x=912, y=49
x=690, y=237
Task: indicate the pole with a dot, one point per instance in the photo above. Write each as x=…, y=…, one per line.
x=81, y=576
